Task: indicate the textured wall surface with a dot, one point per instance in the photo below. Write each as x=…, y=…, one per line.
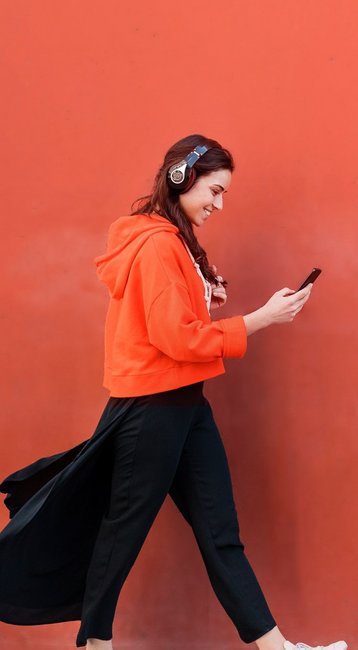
x=93, y=93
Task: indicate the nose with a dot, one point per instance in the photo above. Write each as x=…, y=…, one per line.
x=218, y=202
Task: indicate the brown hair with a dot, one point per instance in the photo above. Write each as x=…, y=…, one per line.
x=165, y=201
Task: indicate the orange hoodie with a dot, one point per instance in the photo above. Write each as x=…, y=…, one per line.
x=158, y=332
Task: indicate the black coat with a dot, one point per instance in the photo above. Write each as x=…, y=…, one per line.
x=56, y=505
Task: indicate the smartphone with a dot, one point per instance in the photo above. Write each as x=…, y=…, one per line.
x=310, y=278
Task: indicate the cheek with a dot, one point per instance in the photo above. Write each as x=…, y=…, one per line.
x=203, y=198
x=191, y=200
x=196, y=199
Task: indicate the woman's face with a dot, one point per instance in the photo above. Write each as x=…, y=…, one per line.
x=205, y=196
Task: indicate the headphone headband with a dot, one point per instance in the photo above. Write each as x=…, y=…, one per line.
x=194, y=156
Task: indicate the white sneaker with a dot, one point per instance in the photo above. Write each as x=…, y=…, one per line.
x=338, y=645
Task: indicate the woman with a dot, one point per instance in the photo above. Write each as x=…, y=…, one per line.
x=157, y=427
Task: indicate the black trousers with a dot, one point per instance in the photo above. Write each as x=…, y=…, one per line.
x=169, y=443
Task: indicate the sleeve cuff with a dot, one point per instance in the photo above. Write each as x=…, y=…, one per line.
x=235, y=336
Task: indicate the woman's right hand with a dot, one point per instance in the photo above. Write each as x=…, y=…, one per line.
x=283, y=306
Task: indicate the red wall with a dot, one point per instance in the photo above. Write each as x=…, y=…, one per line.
x=93, y=93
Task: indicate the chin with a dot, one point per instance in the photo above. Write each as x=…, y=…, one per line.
x=197, y=220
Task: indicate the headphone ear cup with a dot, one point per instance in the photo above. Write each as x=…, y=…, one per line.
x=176, y=177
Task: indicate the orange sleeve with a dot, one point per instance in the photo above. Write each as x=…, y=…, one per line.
x=175, y=329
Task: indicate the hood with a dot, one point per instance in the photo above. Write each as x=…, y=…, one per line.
x=126, y=237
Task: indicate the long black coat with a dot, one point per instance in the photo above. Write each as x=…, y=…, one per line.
x=56, y=505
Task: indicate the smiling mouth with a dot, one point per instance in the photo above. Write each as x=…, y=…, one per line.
x=207, y=212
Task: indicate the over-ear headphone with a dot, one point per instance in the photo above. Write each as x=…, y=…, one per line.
x=182, y=175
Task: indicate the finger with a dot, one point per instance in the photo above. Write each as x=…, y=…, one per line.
x=218, y=300
x=285, y=291
x=302, y=300
x=299, y=299
x=304, y=292
x=297, y=306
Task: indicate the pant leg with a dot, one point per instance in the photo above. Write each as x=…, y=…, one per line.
x=202, y=490
x=146, y=452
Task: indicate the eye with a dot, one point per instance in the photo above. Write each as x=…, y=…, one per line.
x=213, y=192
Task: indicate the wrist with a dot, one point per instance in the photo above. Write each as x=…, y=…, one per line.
x=257, y=320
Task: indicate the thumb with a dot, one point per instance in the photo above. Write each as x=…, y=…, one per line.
x=286, y=291
x=214, y=268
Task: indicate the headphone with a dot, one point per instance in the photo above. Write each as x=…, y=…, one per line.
x=182, y=175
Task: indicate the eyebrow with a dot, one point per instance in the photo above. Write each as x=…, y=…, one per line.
x=217, y=185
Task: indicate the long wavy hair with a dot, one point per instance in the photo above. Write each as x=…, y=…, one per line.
x=165, y=201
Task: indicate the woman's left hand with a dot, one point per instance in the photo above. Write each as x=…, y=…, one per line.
x=218, y=297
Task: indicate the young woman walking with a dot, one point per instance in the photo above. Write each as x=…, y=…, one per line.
x=157, y=434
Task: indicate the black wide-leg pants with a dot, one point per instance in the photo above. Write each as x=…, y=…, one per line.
x=169, y=443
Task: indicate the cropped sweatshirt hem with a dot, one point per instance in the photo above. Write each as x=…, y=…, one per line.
x=174, y=377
